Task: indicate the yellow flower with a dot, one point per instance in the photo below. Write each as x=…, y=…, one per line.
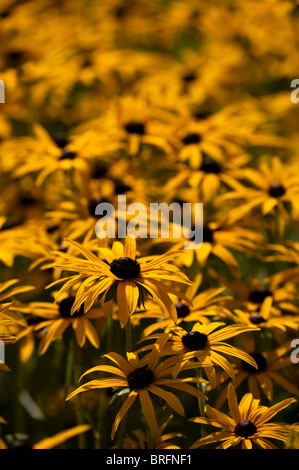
x=205, y=304
x=272, y=371
x=160, y=440
x=53, y=319
x=248, y=423
x=142, y=376
x=205, y=344
x=129, y=278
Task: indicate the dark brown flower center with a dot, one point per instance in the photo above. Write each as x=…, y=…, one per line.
x=65, y=307
x=92, y=205
x=195, y=340
x=134, y=127
x=61, y=140
x=208, y=234
x=245, y=428
x=121, y=188
x=140, y=378
x=52, y=228
x=125, y=268
x=63, y=248
x=260, y=361
x=256, y=319
x=99, y=170
x=259, y=295
x=68, y=155
x=277, y=190
x=210, y=166
x=192, y=138
x=182, y=309
x=189, y=77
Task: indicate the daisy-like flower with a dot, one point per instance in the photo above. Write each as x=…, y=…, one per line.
x=219, y=237
x=205, y=305
x=48, y=157
x=206, y=180
x=142, y=377
x=270, y=372
x=52, y=319
x=205, y=344
x=160, y=440
x=248, y=423
x=265, y=317
x=125, y=278
x=271, y=185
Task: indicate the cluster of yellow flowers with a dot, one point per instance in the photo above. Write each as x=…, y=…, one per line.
x=174, y=102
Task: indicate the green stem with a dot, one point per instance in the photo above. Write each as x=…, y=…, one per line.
x=79, y=408
x=201, y=402
x=69, y=365
x=128, y=336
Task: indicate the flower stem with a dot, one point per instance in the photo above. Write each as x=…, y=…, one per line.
x=201, y=402
x=128, y=336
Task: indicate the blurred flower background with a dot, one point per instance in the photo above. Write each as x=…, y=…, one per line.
x=161, y=101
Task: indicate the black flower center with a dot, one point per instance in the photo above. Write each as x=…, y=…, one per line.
x=189, y=77
x=92, y=205
x=52, y=228
x=125, y=268
x=65, y=307
x=245, y=428
x=140, y=378
x=201, y=115
x=256, y=319
x=195, y=340
x=207, y=233
x=99, y=170
x=63, y=248
x=121, y=188
x=260, y=361
x=259, y=295
x=61, y=140
x=210, y=166
x=67, y=155
x=277, y=190
x=134, y=127
x=191, y=138
x=182, y=310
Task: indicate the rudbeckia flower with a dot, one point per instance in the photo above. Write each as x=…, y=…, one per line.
x=219, y=238
x=49, y=157
x=205, y=344
x=130, y=278
x=271, y=186
x=248, y=423
x=205, y=305
x=52, y=319
x=272, y=365
x=142, y=377
x=160, y=440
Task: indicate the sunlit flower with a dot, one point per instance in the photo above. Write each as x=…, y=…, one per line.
x=142, y=377
x=129, y=278
x=248, y=423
